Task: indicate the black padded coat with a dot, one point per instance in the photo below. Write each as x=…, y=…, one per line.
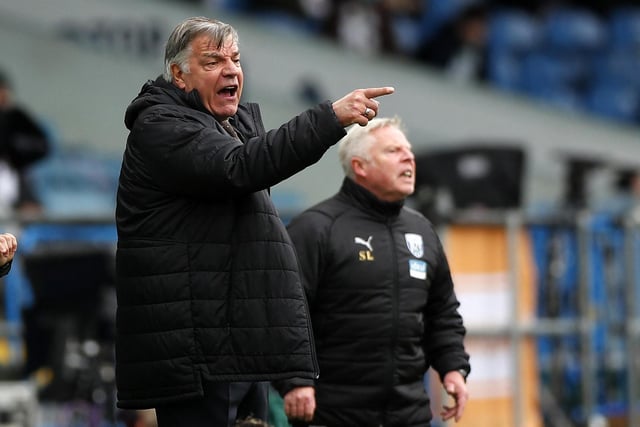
x=207, y=278
x=383, y=309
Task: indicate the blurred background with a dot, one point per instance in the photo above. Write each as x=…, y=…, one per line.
x=525, y=119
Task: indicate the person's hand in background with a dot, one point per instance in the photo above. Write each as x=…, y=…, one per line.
x=8, y=246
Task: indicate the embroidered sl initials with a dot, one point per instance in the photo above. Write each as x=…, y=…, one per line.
x=365, y=255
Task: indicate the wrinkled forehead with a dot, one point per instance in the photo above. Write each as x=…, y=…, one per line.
x=206, y=43
x=387, y=136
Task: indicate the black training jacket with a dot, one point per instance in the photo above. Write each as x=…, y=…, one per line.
x=207, y=278
x=383, y=309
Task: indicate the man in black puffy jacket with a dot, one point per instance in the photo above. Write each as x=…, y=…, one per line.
x=210, y=303
x=382, y=301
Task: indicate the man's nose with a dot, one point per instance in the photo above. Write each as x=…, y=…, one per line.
x=408, y=154
x=230, y=68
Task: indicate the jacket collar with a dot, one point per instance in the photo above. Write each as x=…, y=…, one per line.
x=366, y=201
x=190, y=99
x=159, y=92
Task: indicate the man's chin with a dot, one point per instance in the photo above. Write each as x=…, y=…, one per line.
x=408, y=191
x=225, y=112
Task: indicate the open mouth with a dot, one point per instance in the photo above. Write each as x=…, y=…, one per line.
x=229, y=91
x=407, y=173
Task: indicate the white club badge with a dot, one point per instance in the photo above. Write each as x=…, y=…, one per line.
x=415, y=244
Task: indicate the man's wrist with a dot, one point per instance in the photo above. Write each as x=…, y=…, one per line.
x=464, y=373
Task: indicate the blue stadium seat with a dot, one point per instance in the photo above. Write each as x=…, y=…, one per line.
x=512, y=35
x=76, y=182
x=619, y=65
x=575, y=30
x=554, y=79
x=438, y=12
x=504, y=70
x=615, y=100
x=513, y=31
x=544, y=71
x=624, y=28
x=406, y=33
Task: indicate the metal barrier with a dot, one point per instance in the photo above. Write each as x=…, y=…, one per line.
x=587, y=321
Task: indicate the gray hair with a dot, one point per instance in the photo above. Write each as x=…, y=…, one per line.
x=358, y=140
x=178, y=48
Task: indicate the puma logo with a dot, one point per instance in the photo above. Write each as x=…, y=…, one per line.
x=365, y=243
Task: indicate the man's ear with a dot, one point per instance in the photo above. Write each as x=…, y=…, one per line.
x=357, y=165
x=177, y=75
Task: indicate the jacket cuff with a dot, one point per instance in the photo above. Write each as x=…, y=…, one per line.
x=331, y=131
x=285, y=386
x=459, y=367
x=4, y=270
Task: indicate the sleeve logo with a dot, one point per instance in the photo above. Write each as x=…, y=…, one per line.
x=415, y=244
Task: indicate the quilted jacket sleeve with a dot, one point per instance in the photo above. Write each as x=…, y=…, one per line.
x=186, y=153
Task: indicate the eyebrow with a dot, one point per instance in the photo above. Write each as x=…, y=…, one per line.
x=217, y=55
x=399, y=144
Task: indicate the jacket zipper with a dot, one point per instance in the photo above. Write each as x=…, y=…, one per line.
x=314, y=357
x=394, y=311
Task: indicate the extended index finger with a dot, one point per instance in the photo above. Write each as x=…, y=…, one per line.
x=374, y=92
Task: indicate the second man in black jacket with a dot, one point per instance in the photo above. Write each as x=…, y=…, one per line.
x=380, y=292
